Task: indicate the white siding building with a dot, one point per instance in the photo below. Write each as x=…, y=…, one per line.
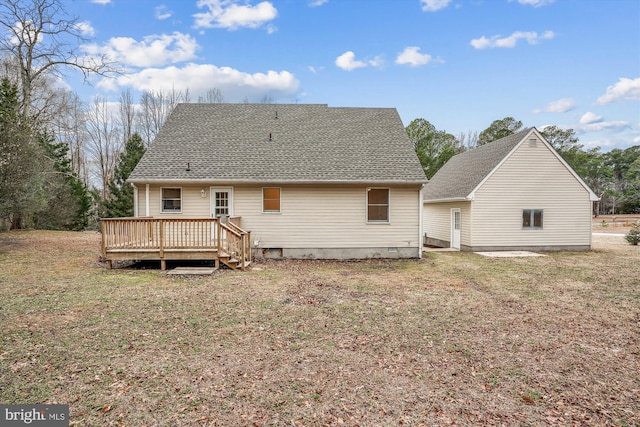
x=512, y=194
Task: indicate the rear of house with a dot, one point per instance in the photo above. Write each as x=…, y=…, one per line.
x=308, y=181
x=516, y=193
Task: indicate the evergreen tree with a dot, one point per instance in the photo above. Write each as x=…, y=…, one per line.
x=499, y=129
x=67, y=199
x=120, y=202
x=21, y=177
x=433, y=147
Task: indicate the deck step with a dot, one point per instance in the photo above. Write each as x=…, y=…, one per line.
x=191, y=271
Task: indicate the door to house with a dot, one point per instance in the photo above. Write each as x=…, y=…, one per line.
x=221, y=205
x=221, y=202
x=455, y=228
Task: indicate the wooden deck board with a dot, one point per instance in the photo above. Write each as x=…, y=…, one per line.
x=174, y=239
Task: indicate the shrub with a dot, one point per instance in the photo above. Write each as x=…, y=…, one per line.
x=634, y=234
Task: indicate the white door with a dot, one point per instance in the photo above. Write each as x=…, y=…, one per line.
x=221, y=206
x=455, y=228
x=221, y=202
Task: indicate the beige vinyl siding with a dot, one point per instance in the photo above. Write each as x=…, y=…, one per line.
x=436, y=219
x=329, y=217
x=309, y=217
x=531, y=178
x=193, y=205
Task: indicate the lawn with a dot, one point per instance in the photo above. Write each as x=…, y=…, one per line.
x=452, y=339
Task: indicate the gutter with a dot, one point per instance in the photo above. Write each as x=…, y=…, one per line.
x=449, y=200
x=261, y=182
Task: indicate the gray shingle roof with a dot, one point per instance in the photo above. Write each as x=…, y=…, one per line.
x=463, y=172
x=309, y=143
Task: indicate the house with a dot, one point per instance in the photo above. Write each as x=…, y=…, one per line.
x=515, y=193
x=308, y=181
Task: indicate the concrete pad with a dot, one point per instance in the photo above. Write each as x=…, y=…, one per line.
x=191, y=271
x=430, y=249
x=509, y=254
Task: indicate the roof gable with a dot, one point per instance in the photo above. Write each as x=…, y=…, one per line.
x=466, y=172
x=280, y=143
x=458, y=178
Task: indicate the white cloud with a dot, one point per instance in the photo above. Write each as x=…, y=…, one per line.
x=198, y=78
x=623, y=89
x=153, y=50
x=316, y=3
x=536, y=3
x=230, y=15
x=636, y=140
x=560, y=106
x=589, y=118
x=101, y=1
x=434, y=5
x=613, y=126
x=496, y=41
x=411, y=55
x=162, y=12
x=347, y=61
x=86, y=29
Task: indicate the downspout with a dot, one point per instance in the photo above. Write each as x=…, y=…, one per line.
x=420, y=230
x=135, y=200
x=146, y=200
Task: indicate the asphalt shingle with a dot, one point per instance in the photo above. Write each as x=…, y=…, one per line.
x=280, y=143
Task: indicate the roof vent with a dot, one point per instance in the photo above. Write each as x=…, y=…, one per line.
x=533, y=142
x=276, y=114
x=188, y=169
x=270, y=137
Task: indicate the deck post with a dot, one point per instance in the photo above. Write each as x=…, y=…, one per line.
x=250, y=250
x=243, y=240
x=103, y=229
x=161, y=243
x=163, y=264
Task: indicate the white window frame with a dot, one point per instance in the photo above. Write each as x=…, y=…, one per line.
x=162, y=199
x=279, y=199
x=532, y=216
x=388, y=220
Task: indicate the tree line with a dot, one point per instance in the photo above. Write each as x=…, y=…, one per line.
x=64, y=162
x=614, y=176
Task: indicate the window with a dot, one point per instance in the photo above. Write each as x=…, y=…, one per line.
x=377, y=205
x=171, y=200
x=532, y=218
x=270, y=200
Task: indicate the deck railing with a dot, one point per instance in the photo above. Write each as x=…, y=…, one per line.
x=236, y=242
x=171, y=234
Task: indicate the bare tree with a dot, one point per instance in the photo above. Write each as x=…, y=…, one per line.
x=127, y=115
x=267, y=99
x=468, y=140
x=68, y=126
x=42, y=39
x=103, y=144
x=155, y=107
x=213, y=96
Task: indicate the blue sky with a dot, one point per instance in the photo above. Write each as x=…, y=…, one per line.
x=458, y=64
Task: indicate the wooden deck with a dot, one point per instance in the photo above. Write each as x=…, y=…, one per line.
x=176, y=239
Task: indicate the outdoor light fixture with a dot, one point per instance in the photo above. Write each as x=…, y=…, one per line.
x=203, y=194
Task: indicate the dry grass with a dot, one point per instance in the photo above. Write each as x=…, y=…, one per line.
x=453, y=339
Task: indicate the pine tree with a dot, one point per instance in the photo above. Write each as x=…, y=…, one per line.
x=67, y=199
x=21, y=177
x=120, y=202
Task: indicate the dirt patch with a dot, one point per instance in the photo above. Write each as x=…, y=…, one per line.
x=453, y=339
